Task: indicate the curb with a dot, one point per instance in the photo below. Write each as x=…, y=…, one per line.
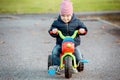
x=97, y=13
x=101, y=20
x=77, y=13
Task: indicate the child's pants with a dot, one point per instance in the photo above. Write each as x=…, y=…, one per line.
x=56, y=55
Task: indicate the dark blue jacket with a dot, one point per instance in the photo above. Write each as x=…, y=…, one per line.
x=67, y=29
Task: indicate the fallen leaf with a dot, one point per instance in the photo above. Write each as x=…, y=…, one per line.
x=2, y=42
x=37, y=24
x=117, y=40
x=103, y=27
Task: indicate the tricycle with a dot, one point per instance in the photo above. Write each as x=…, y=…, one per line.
x=67, y=58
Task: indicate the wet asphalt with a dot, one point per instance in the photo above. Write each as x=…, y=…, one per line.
x=25, y=45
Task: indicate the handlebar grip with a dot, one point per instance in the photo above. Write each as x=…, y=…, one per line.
x=82, y=33
x=51, y=32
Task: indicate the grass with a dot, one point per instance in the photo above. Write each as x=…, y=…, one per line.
x=50, y=6
x=96, y=5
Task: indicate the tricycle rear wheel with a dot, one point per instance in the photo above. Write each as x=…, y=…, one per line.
x=49, y=61
x=80, y=67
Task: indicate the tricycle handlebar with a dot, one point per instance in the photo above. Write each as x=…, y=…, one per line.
x=62, y=36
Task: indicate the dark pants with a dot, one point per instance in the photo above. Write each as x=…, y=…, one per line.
x=56, y=55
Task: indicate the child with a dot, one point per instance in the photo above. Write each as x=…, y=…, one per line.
x=67, y=23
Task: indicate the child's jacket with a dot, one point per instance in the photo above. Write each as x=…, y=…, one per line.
x=67, y=29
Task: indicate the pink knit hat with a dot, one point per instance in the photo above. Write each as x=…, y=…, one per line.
x=66, y=7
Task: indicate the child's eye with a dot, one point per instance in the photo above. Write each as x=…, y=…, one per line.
x=63, y=15
x=68, y=15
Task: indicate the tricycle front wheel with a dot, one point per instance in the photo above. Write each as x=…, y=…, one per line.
x=68, y=67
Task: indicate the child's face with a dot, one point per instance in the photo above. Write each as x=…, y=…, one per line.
x=66, y=18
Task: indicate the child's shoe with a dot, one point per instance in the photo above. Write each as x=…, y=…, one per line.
x=58, y=71
x=75, y=70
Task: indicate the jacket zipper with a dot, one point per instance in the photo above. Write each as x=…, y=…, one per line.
x=67, y=29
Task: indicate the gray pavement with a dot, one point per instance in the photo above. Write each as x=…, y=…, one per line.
x=25, y=45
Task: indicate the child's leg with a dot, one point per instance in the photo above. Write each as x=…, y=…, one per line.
x=56, y=54
x=78, y=55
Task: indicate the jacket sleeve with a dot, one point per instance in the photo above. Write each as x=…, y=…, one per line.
x=81, y=25
x=52, y=27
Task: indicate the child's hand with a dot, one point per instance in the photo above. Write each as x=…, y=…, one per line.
x=82, y=31
x=55, y=30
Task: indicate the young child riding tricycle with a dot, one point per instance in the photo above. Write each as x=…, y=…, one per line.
x=67, y=30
